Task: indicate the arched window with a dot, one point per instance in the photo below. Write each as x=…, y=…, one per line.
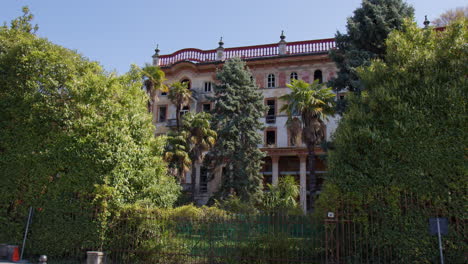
x=271, y=81
x=293, y=76
x=189, y=84
x=318, y=76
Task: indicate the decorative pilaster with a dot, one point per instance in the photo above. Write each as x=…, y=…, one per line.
x=282, y=44
x=275, y=171
x=156, y=56
x=220, y=50
x=303, y=186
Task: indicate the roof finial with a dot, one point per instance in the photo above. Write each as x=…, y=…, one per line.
x=221, y=43
x=282, y=37
x=157, y=49
x=426, y=22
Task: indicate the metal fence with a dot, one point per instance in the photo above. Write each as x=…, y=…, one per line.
x=228, y=239
x=375, y=234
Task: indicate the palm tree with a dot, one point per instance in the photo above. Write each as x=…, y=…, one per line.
x=313, y=103
x=180, y=95
x=200, y=139
x=153, y=80
x=176, y=153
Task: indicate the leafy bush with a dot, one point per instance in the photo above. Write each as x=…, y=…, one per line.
x=235, y=205
x=282, y=198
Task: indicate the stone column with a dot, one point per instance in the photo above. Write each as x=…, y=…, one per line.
x=303, y=175
x=275, y=171
x=197, y=177
x=94, y=257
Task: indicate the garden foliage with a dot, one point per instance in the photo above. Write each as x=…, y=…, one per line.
x=73, y=139
x=400, y=150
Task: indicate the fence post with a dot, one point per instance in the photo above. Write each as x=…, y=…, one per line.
x=94, y=257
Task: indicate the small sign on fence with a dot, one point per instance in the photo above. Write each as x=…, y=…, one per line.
x=443, y=226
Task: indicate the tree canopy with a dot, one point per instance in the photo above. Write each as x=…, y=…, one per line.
x=365, y=38
x=400, y=151
x=314, y=103
x=238, y=108
x=72, y=135
x=451, y=15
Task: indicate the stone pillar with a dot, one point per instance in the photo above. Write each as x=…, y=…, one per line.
x=275, y=171
x=220, y=50
x=94, y=257
x=197, y=177
x=156, y=56
x=282, y=44
x=303, y=175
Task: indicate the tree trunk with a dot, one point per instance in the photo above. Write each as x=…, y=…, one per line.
x=178, y=117
x=194, y=177
x=312, y=176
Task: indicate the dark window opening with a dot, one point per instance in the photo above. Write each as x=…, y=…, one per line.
x=271, y=137
x=207, y=86
x=162, y=114
x=271, y=107
x=341, y=97
x=203, y=180
x=293, y=76
x=318, y=76
x=184, y=110
x=187, y=81
x=206, y=107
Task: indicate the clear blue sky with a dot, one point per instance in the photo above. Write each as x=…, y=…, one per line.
x=117, y=33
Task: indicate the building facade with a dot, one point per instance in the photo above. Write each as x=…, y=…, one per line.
x=272, y=67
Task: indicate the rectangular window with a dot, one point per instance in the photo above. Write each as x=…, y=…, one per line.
x=162, y=114
x=206, y=107
x=270, y=137
x=207, y=86
x=271, y=107
x=184, y=110
x=204, y=179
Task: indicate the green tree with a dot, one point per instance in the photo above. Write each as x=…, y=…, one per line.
x=153, y=81
x=238, y=108
x=176, y=153
x=314, y=103
x=180, y=95
x=365, y=38
x=400, y=151
x=73, y=137
x=200, y=138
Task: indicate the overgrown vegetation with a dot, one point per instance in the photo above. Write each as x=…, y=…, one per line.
x=74, y=139
x=400, y=151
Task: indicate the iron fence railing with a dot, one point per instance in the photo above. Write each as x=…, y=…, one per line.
x=379, y=232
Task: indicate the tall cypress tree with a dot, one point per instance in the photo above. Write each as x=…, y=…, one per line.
x=238, y=108
x=367, y=30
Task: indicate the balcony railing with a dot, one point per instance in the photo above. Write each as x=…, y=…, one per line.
x=270, y=119
x=171, y=123
x=248, y=52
